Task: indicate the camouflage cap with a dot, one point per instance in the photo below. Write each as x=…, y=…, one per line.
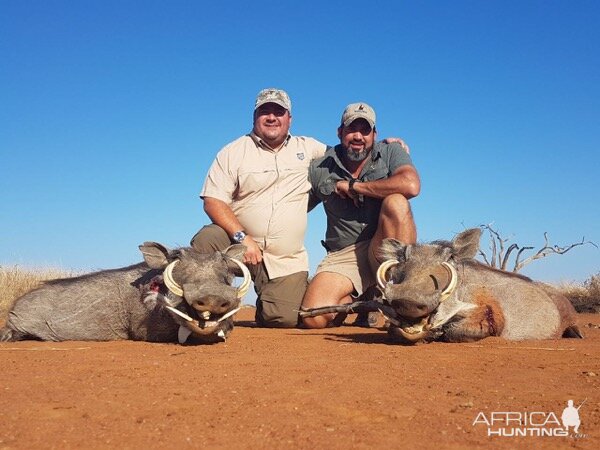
x=358, y=111
x=272, y=95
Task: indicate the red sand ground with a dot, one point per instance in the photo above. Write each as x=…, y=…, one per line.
x=340, y=388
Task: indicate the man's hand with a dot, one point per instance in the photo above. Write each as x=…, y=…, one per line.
x=253, y=254
x=342, y=188
x=392, y=140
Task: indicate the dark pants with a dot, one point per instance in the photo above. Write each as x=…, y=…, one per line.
x=278, y=299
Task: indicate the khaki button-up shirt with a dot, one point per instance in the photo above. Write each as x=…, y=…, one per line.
x=268, y=193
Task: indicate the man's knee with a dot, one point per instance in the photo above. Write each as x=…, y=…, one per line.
x=279, y=301
x=395, y=220
x=210, y=238
x=318, y=321
x=272, y=315
x=395, y=205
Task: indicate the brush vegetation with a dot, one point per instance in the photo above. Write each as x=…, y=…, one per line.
x=585, y=297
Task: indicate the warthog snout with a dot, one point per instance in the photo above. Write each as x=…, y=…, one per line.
x=416, y=291
x=213, y=304
x=410, y=308
x=202, y=298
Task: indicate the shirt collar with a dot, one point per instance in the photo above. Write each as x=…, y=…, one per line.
x=376, y=152
x=262, y=144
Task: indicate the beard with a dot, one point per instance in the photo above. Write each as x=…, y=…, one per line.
x=357, y=156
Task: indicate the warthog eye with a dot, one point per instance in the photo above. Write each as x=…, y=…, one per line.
x=395, y=276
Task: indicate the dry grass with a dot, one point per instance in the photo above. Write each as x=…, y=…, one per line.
x=16, y=281
x=586, y=297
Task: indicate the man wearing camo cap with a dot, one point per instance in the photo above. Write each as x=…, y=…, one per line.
x=365, y=187
x=256, y=194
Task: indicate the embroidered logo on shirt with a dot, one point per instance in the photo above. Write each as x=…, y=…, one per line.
x=300, y=156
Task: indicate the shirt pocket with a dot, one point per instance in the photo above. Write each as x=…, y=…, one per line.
x=378, y=172
x=333, y=203
x=253, y=181
x=337, y=208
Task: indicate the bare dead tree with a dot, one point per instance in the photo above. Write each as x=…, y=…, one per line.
x=499, y=256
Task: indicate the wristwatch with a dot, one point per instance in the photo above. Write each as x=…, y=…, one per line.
x=351, y=185
x=353, y=194
x=239, y=236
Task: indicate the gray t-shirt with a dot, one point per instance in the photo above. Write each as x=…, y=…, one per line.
x=346, y=223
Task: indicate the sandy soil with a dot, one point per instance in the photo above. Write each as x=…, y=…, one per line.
x=340, y=388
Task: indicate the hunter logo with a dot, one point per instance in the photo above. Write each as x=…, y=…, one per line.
x=534, y=423
x=300, y=156
x=570, y=416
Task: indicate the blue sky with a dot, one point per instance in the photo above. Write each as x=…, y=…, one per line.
x=112, y=111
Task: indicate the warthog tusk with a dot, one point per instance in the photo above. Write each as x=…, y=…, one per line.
x=176, y=289
x=453, y=281
x=170, y=282
x=179, y=313
x=412, y=336
x=204, y=314
x=382, y=270
x=243, y=289
x=183, y=334
x=389, y=319
x=229, y=314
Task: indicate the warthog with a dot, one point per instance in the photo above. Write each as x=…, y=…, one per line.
x=437, y=291
x=180, y=295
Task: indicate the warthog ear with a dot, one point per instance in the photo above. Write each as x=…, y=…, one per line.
x=155, y=254
x=235, y=251
x=392, y=249
x=466, y=244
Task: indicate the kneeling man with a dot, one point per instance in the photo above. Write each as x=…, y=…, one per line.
x=365, y=187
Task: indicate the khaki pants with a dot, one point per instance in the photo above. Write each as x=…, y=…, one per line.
x=356, y=262
x=278, y=299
